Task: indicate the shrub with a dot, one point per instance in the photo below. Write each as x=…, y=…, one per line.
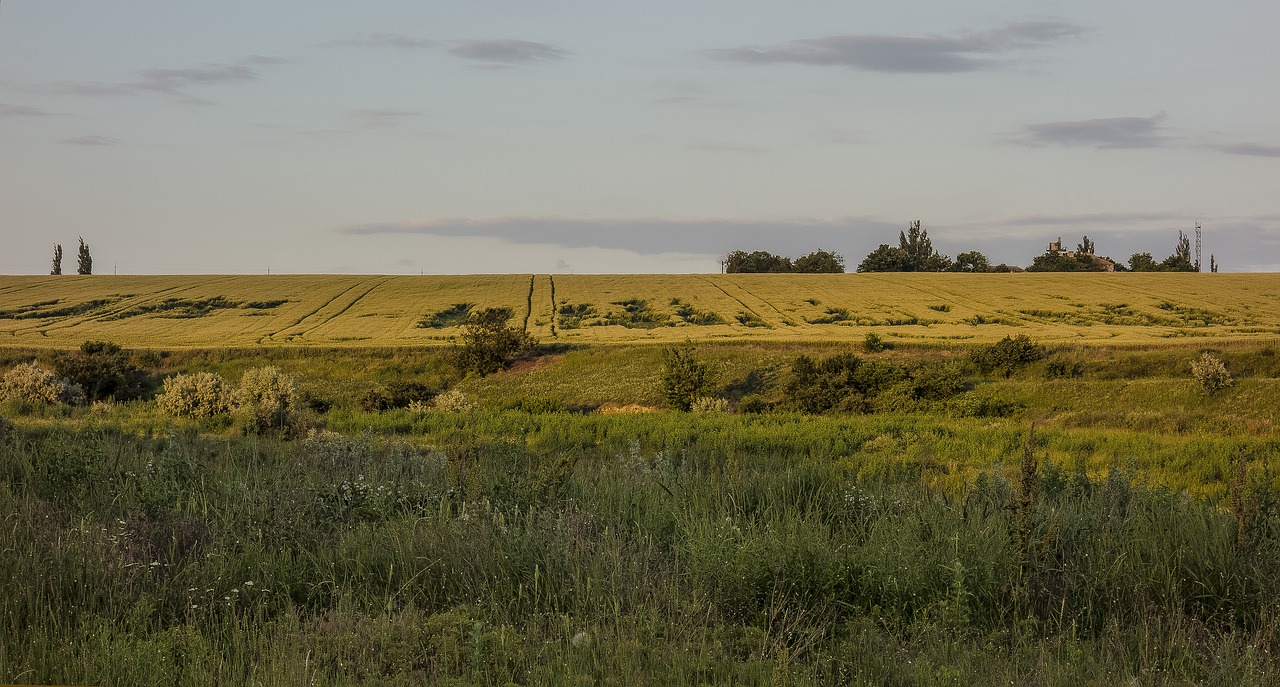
x=397, y=394
x=1063, y=369
x=873, y=343
x=453, y=401
x=198, y=395
x=29, y=383
x=266, y=398
x=709, y=404
x=842, y=383
x=685, y=379
x=1007, y=355
x=103, y=370
x=488, y=344
x=1211, y=373
x=753, y=405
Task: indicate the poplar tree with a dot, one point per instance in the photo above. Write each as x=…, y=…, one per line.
x=83, y=259
x=57, y=259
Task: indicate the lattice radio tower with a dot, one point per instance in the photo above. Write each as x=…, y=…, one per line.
x=1198, y=237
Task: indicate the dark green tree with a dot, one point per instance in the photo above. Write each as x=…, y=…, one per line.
x=914, y=253
x=886, y=258
x=1085, y=247
x=84, y=261
x=1180, y=261
x=488, y=344
x=1213, y=263
x=819, y=262
x=685, y=378
x=755, y=262
x=1143, y=262
x=57, y=259
x=971, y=261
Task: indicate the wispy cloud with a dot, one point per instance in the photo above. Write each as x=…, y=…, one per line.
x=165, y=82
x=21, y=111
x=90, y=141
x=508, y=52
x=1254, y=149
x=385, y=40
x=1107, y=133
x=650, y=236
x=961, y=52
x=380, y=119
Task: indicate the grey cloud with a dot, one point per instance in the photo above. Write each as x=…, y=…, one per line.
x=507, y=52
x=21, y=111
x=385, y=40
x=1254, y=149
x=1108, y=133
x=654, y=236
x=169, y=82
x=380, y=119
x=963, y=52
x=1094, y=219
x=91, y=141
x=728, y=147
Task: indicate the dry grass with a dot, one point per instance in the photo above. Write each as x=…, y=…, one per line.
x=359, y=311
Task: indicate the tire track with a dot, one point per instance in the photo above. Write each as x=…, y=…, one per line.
x=738, y=300
x=300, y=320
x=347, y=307
x=528, y=310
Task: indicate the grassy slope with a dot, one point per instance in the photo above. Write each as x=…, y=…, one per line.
x=1123, y=309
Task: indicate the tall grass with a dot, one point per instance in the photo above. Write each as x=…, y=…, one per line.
x=496, y=548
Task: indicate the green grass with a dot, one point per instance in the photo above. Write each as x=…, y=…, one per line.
x=490, y=548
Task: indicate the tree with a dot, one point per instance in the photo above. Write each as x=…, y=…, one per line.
x=1085, y=246
x=971, y=261
x=1143, y=262
x=1180, y=261
x=84, y=261
x=886, y=258
x=488, y=344
x=685, y=379
x=920, y=253
x=819, y=262
x=1213, y=263
x=57, y=259
x=755, y=262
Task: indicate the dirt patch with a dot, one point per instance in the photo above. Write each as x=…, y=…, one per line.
x=533, y=364
x=617, y=409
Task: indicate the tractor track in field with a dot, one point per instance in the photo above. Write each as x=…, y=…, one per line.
x=345, y=308
x=300, y=320
x=742, y=302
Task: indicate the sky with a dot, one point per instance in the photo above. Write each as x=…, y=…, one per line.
x=596, y=136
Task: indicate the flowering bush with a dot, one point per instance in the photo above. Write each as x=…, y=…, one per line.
x=32, y=384
x=198, y=395
x=265, y=399
x=453, y=401
x=1211, y=373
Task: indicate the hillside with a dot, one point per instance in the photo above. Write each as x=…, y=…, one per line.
x=328, y=310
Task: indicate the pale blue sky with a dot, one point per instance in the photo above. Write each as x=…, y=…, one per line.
x=506, y=136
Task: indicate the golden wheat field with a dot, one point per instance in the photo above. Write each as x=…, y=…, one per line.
x=319, y=310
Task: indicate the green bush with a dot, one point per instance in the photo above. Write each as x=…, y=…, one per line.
x=842, y=383
x=488, y=344
x=873, y=343
x=103, y=370
x=198, y=395
x=753, y=405
x=1063, y=369
x=1007, y=355
x=397, y=394
x=685, y=378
